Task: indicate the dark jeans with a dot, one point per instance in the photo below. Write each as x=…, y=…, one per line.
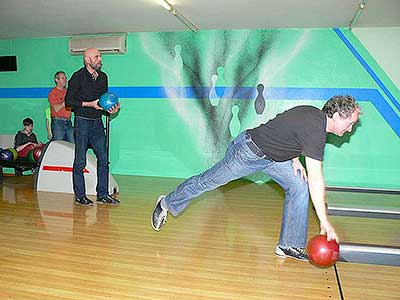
x=62, y=130
x=90, y=132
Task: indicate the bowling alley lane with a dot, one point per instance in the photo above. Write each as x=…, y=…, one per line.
x=222, y=247
x=369, y=282
x=362, y=280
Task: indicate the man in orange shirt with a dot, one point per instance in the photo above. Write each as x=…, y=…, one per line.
x=61, y=126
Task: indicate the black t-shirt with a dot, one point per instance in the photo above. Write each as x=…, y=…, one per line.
x=83, y=88
x=298, y=131
x=21, y=138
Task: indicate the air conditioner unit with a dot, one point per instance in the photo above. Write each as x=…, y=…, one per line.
x=105, y=44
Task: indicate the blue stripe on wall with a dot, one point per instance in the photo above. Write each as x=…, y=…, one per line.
x=243, y=93
x=367, y=67
x=24, y=92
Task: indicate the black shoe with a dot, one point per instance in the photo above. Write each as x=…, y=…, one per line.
x=159, y=216
x=85, y=201
x=291, y=252
x=107, y=199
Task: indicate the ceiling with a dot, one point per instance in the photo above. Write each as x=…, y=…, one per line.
x=44, y=18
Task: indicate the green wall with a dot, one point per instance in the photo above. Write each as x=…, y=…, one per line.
x=180, y=135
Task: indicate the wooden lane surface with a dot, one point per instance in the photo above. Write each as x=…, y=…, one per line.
x=374, y=231
x=369, y=282
x=356, y=200
x=363, y=281
x=220, y=248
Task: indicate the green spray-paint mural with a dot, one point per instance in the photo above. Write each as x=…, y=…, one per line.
x=185, y=96
x=224, y=62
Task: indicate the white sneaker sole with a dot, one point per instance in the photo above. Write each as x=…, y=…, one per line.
x=151, y=219
x=278, y=252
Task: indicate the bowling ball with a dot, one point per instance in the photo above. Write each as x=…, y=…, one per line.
x=14, y=152
x=37, y=152
x=30, y=156
x=6, y=155
x=108, y=100
x=321, y=252
x=24, y=152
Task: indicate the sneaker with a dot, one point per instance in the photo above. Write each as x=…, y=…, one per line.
x=107, y=199
x=159, y=216
x=291, y=252
x=84, y=201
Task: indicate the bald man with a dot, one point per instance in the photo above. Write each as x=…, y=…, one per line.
x=84, y=90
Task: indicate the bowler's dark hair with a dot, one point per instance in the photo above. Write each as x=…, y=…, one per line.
x=344, y=105
x=56, y=75
x=27, y=121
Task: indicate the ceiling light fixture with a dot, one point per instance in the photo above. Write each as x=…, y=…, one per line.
x=168, y=6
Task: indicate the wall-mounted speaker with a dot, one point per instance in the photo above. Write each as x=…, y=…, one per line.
x=8, y=63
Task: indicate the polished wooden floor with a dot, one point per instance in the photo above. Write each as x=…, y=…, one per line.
x=221, y=247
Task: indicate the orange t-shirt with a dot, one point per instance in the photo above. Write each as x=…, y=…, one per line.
x=57, y=96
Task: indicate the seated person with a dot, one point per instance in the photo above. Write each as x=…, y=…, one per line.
x=25, y=139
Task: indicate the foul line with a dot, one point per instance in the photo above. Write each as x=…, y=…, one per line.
x=338, y=282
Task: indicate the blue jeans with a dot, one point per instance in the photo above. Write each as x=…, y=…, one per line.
x=62, y=130
x=90, y=132
x=240, y=161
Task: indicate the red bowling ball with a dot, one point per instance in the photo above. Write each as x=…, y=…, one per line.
x=321, y=252
x=24, y=151
x=37, y=152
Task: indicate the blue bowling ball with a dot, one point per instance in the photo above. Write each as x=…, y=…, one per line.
x=108, y=100
x=6, y=155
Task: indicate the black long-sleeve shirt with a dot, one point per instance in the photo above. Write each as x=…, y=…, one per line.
x=82, y=87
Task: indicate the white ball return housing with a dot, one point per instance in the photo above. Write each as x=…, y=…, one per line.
x=54, y=173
